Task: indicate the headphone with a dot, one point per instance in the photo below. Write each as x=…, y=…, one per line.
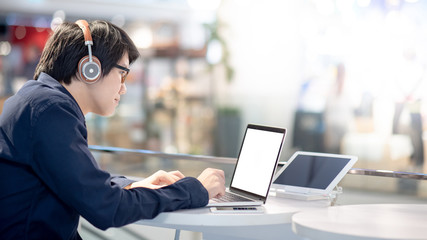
x=89, y=68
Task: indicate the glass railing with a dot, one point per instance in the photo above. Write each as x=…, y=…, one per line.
x=226, y=160
x=171, y=156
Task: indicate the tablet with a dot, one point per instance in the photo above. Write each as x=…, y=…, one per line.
x=311, y=173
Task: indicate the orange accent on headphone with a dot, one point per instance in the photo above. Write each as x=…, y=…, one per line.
x=89, y=68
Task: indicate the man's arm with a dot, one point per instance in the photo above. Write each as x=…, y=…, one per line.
x=121, y=181
x=64, y=163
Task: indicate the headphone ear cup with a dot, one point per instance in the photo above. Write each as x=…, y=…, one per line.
x=89, y=72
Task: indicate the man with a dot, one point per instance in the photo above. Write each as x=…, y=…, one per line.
x=48, y=177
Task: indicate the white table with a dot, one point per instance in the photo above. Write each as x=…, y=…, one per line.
x=362, y=222
x=273, y=223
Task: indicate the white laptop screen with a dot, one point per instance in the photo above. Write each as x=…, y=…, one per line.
x=257, y=161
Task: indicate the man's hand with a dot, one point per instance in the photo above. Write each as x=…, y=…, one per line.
x=214, y=181
x=158, y=180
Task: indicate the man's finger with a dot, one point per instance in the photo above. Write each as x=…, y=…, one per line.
x=178, y=174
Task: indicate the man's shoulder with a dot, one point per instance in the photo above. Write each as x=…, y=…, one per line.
x=38, y=95
x=35, y=97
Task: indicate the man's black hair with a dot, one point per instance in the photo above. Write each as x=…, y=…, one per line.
x=66, y=47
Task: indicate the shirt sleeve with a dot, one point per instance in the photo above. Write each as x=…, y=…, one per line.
x=64, y=163
x=120, y=181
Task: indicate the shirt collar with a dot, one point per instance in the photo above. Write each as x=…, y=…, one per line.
x=53, y=83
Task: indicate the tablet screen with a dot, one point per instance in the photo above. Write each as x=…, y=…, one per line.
x=311, y=171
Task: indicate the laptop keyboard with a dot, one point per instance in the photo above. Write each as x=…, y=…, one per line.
x=230, y=197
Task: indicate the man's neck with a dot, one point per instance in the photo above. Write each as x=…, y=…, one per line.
x=79, y=90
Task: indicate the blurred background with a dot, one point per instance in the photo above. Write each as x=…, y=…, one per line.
x=343, y=76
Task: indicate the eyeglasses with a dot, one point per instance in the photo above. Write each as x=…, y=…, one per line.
x=125, y=73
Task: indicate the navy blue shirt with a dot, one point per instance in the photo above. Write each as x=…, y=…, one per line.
x=48, y=177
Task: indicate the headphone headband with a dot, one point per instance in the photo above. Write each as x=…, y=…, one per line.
x=86, y=31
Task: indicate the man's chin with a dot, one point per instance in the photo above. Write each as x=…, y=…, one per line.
x=107, y=113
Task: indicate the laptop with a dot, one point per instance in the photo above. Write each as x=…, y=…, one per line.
x=255, y=167
x=311, y=175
